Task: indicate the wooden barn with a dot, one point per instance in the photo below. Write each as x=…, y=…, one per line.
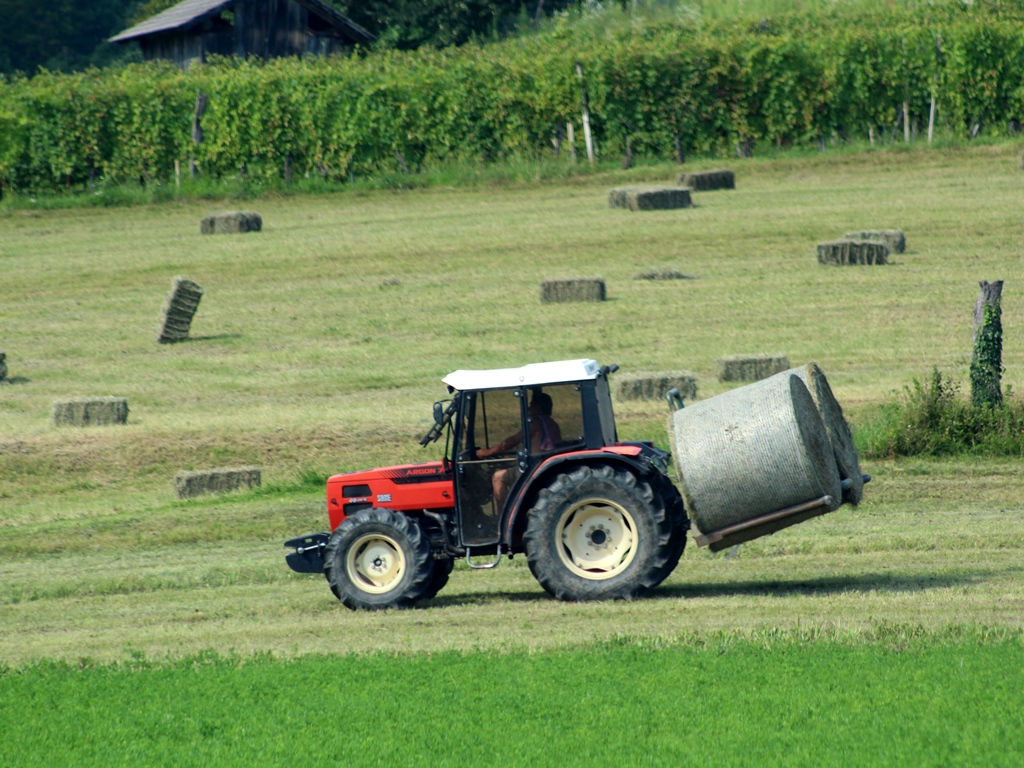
x=194, y=29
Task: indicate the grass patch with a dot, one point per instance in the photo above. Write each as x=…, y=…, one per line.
x=718, y=702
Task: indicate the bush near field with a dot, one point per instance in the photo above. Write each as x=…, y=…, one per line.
x=789, y=81
x=933, y=419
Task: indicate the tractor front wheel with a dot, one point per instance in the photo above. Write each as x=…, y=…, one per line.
x=597, y=533
x=378, y=558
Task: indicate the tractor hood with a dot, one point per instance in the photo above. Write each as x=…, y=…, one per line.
x=407, y=487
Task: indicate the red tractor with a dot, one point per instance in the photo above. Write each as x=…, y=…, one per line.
x=532, y=464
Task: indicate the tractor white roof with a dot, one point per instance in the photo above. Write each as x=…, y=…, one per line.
x=533, y=375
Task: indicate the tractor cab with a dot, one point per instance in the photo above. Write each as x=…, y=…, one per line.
x=504, y=424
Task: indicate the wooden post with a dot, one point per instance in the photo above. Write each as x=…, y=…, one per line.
x=556, y=140
x=906, y=123
x=177, y=173
x=991, y=294
x=571, y=138
x=987, y=360
x=587, y=137
x=680, y=158
x=627, y=163
x=935, y=87
x=871, y=135
x=197, y=129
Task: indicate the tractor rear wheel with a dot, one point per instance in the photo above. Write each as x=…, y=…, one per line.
x=676, y=510
x=598, y=533
x=378, y=558
x=442, y=569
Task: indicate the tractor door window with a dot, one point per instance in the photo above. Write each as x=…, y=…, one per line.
x=498, y=419
x=556, y=413
x=488, y=465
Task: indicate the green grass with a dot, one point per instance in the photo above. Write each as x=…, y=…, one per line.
x=721, y=701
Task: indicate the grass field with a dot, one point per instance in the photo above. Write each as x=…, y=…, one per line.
x=724, y=702
x=319, y=347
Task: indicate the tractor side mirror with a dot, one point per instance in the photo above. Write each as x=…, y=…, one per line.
x=439, y=413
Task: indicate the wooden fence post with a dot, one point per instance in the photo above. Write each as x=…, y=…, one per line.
x=586, y=115
x=197, y=129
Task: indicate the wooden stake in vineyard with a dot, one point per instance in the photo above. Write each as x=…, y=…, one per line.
x=935, y=87
x=586, y=115
x=197, y=130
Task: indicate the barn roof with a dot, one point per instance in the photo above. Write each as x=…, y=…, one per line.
x=190, y=12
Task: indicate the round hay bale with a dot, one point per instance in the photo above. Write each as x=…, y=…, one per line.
x=90, y=411
x=894, y=238
x=655, y=386
x=231, y=222
x=852, y=252
x=568, y=289
x=836, y=427
x=705, y=181
x=750, y=367
x=752, y=451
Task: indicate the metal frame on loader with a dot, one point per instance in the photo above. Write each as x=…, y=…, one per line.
x=596, y=517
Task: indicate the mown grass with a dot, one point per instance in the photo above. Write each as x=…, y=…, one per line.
x=934, y=544
x=320, y=343
x=721, y=701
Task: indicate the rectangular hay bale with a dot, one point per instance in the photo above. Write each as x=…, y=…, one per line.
x=655, y=386
x=90, y=411
x=231, y=222
x=750, y=367
x=190, y=484
x=649, y=198
x=179, y=309
x=572, y=289
x=852, y=253
x=894, y=238
x=704, y=181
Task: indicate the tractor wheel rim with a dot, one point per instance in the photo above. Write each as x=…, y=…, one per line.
x=596, y=539
x=375, y=563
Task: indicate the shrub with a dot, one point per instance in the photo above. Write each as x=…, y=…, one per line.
x=933, y=419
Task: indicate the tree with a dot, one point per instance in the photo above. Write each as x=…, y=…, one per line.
x=60, y=34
